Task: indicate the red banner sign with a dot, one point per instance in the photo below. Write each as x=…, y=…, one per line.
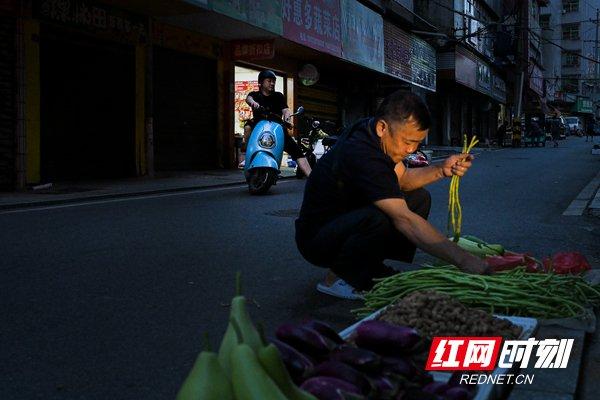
x=313, y=23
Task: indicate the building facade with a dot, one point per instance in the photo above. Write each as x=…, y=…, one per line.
x=569, y=28
x=106, y=89
x=472, y=90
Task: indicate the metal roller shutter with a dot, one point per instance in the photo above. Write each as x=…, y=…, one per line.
x=185, y=108
x=319, y=101
x=7, y=102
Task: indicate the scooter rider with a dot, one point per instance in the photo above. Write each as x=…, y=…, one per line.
x=266, y=99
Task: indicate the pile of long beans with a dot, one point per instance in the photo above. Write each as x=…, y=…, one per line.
x=514, y=292
x=454, y=208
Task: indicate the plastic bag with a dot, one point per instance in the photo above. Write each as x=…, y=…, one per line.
x=567, y=263
x=512, y=260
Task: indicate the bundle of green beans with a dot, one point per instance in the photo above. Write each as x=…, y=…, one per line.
x=514, y=292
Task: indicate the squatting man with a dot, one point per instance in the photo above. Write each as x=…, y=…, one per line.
x=362, y=205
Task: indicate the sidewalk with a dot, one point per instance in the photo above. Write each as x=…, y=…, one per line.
x=68, y=192
x=71, y=192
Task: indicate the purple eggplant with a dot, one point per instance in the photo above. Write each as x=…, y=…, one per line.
x=325, y=330
x=305, y=340
x=298, y=365
x=362, y=359
x=422, y=377
x=385, y=338
x=457, y=393
x=399, y=366
x=436, y=388
x=385, y=387
x=328, y=388
x=345, y=372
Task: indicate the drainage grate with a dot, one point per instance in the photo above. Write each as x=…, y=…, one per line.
x=290, y=213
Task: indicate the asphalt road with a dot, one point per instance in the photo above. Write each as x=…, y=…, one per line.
x=111, y=300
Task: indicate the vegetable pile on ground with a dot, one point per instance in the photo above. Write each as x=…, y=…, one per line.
x=437, y=314
x=246, y=368
x=375, y=363
x=512, y=292
x=501, y=260
x=311, y=361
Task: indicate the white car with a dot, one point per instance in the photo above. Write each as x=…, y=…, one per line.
x=574, y=126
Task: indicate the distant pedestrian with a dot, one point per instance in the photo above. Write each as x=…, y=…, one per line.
x=589, y=131
x=500, y=134
x=555, y=130
x=516, y=136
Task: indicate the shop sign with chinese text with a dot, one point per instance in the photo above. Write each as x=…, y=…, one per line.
x=362, y=35
x=313, y=23
x=584, y=106
x=484, y=78
x=465, y=69
x=183, y=40
x=253, y=49
x=264, y=14
x=409, y=57
x=397, y=51
x=8, y=7
x=100, y=19
x=498, y=88
x=423, y=63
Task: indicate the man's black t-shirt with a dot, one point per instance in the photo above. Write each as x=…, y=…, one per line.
x=274, y=103
x=353, y=174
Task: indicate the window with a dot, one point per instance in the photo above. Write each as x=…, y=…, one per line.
x=570, y=32
x=570, y=83
x=471, y=26
x=545, y=21
x=571, y=58
x=570, y=5
x=534, y=9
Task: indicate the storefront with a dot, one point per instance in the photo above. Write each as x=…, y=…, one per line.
x=8, y=90
x=87, y=88
x=246, y=81
x=471, y=95
x=413, y=62
x=81, y=87
x=584, y=108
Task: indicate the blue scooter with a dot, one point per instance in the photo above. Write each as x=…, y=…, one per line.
x=265, y=151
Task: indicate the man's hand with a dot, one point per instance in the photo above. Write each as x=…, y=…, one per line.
x=457, y=164
x=475, y=265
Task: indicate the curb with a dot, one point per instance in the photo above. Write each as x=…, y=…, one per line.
x=98, y=197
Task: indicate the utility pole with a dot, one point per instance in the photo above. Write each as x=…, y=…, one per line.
x=597, y=69
x=596, y=52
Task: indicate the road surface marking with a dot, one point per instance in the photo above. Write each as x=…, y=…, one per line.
x=578, y=206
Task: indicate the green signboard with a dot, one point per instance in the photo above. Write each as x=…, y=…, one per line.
x=362, y=35
x=264, y=14
x=584, y=106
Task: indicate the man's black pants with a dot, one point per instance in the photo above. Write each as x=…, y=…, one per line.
x=355, y=244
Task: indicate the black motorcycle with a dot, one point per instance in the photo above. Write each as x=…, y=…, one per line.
x=326, y=132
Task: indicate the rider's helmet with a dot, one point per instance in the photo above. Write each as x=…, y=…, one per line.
x=267, y=73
